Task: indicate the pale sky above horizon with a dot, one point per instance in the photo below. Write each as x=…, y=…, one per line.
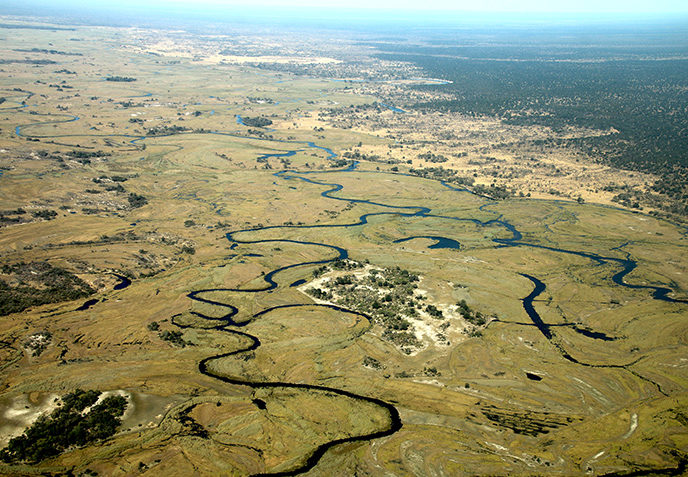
x=591, y=6
x=622, y=7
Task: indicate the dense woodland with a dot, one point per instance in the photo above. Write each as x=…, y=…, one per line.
x=637, y=98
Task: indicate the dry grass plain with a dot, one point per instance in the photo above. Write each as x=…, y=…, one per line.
x=475, y=406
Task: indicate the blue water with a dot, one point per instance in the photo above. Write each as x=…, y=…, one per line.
x=393, y=108
x=87, y=304
x=124, y=282
x=440, y=242
x=21, y=106
x=17, y=129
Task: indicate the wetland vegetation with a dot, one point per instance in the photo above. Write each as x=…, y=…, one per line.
x=304, y=254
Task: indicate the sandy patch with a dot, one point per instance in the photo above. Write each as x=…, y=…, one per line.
x=633, y=426
x=20, y=412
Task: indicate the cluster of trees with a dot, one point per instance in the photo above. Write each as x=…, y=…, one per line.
x=319, y=294
x=442, y=174
x=430, y=157
x=386, y=295
x=111, y=184
x=338, y=265
x=358, y=156
x=165, y=130
x=260, y=100
x=174, y=337
x=471, y=316
x=433, y=311
x=475, y=318
x=67, y=426
x=12, y=216
x=339, y=163
x=494, y=191
x=46, y=214
x=27, y=62
x=75, y=154
x=120, y=79
x=256, y=122
x=636, y=198
x=131, y=104
x=39, y=283
x=136, y=200
x=48, y=52
x=371, y=362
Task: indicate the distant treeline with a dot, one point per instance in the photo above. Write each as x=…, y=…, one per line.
x=643, y=104
x=120, y=79
x=49, y=52
x=28, y=62
x=12, y=26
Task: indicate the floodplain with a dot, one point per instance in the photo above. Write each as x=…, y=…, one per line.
x=532, y=334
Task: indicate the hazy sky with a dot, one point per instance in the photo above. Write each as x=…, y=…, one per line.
x=544, y=6
x=589, y=6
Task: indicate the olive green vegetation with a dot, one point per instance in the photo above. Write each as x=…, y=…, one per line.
x=256, y=122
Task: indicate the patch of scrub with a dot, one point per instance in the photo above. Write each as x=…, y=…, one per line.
x=394, y=299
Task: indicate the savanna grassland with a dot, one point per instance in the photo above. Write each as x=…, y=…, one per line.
x=283, y=267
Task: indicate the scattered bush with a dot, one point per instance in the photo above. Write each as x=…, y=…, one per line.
x=39, y=283
x=44, y=214
x=136, y=200
x=120, y=79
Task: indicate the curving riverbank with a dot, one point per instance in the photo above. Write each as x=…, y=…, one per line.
x=254, y=343
x=515, y=240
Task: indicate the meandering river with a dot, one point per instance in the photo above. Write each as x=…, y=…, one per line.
x=227, y=324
